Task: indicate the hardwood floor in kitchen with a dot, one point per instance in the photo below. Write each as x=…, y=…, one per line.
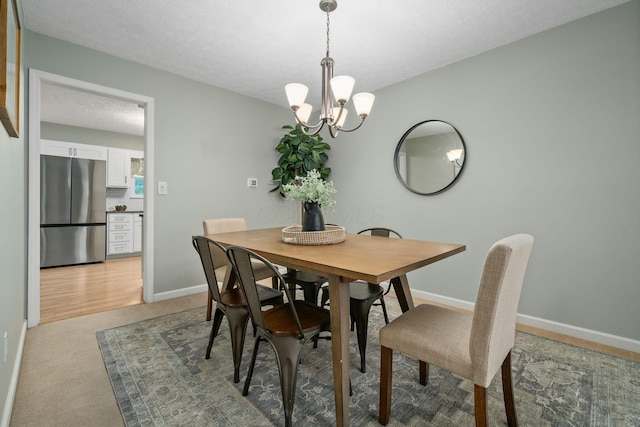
x=91, y=288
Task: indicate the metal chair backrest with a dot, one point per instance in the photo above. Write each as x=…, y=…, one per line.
x=206, y=248
x=381, y=232
x=240, y=259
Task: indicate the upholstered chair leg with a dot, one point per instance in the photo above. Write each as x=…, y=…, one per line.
x=247, y=381
x=424, y=373
x=507, y=390
x=288, y=356
x=480, y=404
x=386, y=377
x=237, y=327
x=215, y=327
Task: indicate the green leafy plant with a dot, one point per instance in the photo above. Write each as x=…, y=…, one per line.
x=299, y=154
x=311, y=188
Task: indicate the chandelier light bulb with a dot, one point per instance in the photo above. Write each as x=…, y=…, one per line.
x=304, y=112
x=335, y=111
x=342, y=86
x=363, y=102
x=296, y=94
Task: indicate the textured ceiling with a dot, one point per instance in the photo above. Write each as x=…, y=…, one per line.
x=255, y=47
x=75, y=108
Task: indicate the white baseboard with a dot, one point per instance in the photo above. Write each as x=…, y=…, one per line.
x=548, y=325
x=13, y=384
x=180, y=292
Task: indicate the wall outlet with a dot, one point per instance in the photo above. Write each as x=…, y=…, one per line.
x=5, y=344
x=252, y=182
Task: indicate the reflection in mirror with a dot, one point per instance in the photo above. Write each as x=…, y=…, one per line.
x=429, y=157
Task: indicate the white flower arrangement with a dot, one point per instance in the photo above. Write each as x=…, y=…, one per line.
x=311, y=188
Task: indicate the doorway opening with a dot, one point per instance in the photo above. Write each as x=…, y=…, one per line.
x=126, y=276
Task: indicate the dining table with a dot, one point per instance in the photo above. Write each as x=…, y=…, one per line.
x=371, y=259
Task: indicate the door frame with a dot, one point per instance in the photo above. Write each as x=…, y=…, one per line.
x=36, y=78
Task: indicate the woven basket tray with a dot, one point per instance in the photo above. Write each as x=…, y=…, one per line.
x=331, y=235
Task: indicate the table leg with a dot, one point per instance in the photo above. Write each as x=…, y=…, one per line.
x=403, y=292
x=339, y=305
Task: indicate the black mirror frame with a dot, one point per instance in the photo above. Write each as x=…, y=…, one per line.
x=406, y=134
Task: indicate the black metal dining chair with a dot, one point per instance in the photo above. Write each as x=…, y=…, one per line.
x=230, y=303
x=226, y=225
x=287, y=327
x=362, y=296
x=309, y=283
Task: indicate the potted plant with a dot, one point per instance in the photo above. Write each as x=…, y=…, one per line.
x=315, y=193
x=299, y=153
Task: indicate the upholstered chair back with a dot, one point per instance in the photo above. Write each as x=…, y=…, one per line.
x=494, y=316
x=222, y=225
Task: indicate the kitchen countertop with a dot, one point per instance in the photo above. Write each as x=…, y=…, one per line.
x=115, y=211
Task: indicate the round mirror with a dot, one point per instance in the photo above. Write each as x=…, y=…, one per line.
x=429, y=157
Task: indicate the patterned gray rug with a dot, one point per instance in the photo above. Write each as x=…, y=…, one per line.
x=160, y=377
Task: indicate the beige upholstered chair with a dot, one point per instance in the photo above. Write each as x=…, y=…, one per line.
x=472, y=345
x=220, y=260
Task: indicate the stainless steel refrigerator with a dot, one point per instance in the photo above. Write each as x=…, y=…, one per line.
x=72, y=211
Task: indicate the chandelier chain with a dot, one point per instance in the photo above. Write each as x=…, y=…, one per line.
x=327, y=34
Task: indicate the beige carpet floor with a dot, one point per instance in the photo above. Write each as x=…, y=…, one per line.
x=63, y=380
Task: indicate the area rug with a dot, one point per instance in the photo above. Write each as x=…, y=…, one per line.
x=160, y=377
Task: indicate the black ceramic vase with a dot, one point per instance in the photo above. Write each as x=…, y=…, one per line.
x=312, y=219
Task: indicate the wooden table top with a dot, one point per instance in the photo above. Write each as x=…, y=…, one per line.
x=359, y=257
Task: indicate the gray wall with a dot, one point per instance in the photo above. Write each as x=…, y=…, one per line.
x=203, y=149
x=13, y=245
x=552, y=127
x=58, y=132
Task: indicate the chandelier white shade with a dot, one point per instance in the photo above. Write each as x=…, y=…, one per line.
x=340, y=87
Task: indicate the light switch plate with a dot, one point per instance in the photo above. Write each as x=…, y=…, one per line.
x=162, y=188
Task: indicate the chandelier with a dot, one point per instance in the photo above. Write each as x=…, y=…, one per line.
x=341, y=87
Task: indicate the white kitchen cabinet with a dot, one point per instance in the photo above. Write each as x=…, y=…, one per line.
x=71, y=149
x=118, y=167
x=124, y=233
x=137, y=233
x=120, y=233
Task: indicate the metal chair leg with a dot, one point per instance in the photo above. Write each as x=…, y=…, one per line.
x=238, y=319
x=247, y=381
x=360, y=313
x=288, y=356
x=384, y=309
x=215, y=327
